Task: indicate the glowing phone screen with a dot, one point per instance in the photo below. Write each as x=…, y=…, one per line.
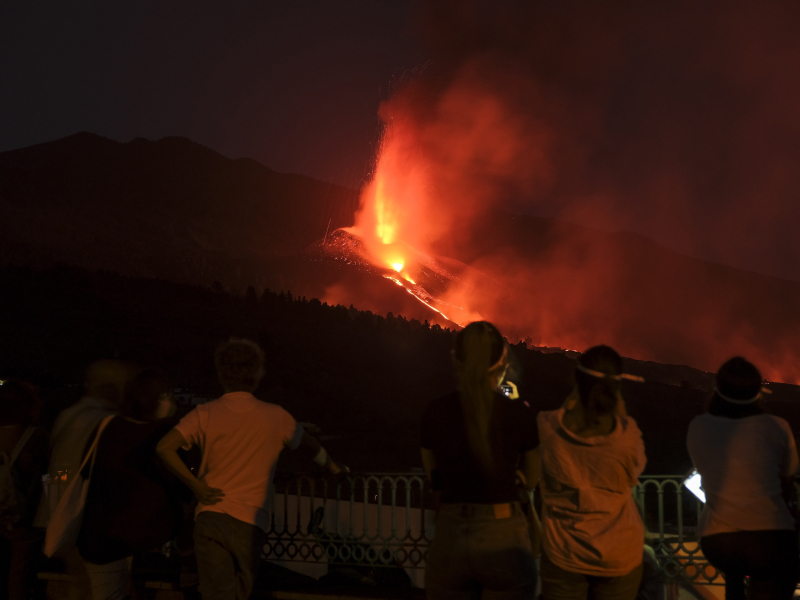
x=694, y=484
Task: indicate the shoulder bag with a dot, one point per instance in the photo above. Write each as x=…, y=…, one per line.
x=67, y=518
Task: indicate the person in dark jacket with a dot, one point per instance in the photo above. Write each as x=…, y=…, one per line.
x=134, y=502
x=473, y=442
x=24, y=452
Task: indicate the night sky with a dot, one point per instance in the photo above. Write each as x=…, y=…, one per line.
x=295, y=85
x=677, y=120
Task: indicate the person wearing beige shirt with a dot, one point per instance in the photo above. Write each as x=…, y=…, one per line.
x=241, y=439
x=592, y=454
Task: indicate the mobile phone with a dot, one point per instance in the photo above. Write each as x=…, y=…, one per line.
x=694, y=483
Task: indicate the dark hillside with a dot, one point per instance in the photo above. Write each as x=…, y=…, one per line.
x=175, y=210
x=363, y=378
x=171, y=209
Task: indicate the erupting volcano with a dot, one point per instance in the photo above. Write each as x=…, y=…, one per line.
x=432, y=275
x=428, y=222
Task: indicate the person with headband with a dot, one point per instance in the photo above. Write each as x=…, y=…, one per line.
x=473, y=441
x=747, y=460
x=592, y=454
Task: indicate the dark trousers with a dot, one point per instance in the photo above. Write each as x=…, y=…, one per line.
x=768, y=558
x=228, y=556
x=559, y=584
x=19, y=550
x=475, y=554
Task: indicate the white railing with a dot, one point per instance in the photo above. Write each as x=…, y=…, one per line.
x=670, y=512
x=385, y=521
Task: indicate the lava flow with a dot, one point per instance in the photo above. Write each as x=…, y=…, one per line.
x=432, y=279
x=392, y=224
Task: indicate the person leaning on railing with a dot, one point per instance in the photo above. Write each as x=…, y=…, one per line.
x=473, y=441
x=241, y=438
x=746, y=459
x=592, y=454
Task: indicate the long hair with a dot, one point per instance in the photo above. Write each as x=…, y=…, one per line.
x=478, y=353
x=598, y=394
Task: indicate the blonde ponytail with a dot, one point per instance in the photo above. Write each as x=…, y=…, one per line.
x=480, y=351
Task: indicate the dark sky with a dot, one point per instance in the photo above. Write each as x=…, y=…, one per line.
x=293, y=84
x=679, y=120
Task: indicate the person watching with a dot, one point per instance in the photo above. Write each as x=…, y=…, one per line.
x=747, y=460
x=592, y=454
x=134, y=503
x=105, y=382
x=473, y=441
x=240, y=438
x=24, y=451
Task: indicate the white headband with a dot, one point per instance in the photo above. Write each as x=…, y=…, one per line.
x=758, y=395
x=601, y=375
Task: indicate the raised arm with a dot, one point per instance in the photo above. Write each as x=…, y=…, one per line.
x=321, y=456
x=167, y=449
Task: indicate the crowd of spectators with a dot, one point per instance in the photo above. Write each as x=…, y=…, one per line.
x=483, y=448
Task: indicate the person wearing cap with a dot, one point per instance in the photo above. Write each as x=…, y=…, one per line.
x=592, y=454
x=746, y=459
x=473, y=441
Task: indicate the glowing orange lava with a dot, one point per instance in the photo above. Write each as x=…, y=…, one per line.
x=417, y=296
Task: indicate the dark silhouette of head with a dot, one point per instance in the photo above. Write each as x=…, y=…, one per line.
x=144, y=394
x=599, y=395
x=106, y=379
x=737, y=379
x=240, y=365
x=480, y=360
x=19, y=403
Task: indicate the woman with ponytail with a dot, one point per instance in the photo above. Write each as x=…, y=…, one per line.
x=592, y=455
x=473, y=442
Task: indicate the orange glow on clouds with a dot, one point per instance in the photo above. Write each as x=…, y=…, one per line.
x=448, y=160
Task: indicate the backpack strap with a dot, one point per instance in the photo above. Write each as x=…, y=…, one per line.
x=92, y=453
x=20, y=445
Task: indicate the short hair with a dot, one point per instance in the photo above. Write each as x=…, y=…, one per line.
x=240, y=365
x=142, y=395
x=738, y=379
x=19, y=403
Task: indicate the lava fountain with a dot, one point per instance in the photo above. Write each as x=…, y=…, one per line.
x=394, y=222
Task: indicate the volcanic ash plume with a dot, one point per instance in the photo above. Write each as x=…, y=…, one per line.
x=517, y=116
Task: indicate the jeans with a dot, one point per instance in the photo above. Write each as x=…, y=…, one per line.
x=475, y=554
x=769, y=558
x=228, y=556
x=560, y=584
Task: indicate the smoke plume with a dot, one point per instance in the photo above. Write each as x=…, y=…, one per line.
x=677, y=121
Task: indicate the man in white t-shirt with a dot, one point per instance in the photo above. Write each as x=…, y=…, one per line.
x=241, y=439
